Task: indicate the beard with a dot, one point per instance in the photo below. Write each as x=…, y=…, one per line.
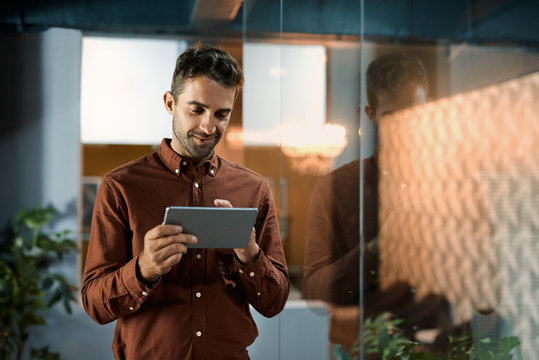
x=196, y=150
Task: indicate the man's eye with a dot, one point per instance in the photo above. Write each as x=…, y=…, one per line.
x=197, y=111
x=222, y=116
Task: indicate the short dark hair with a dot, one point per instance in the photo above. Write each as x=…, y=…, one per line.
x=205, y=60
x=390, y=72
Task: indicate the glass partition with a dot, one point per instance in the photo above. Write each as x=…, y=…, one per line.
x=455, y=106
x=401, y=141
x=304, y=128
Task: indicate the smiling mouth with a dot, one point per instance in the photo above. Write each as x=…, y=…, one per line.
x=204, y=140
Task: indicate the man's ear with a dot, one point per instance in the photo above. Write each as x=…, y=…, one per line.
x=168, y=99
x=370, y=114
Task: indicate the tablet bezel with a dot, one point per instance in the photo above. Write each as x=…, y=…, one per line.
x=215, y=227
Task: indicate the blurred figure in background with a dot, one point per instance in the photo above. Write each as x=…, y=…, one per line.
x=332, y=252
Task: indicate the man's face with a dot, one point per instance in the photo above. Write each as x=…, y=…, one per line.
x=409, y=95
x=200, y=116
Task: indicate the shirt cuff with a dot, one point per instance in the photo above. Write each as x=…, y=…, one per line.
x=138, y=290
x=250, y=262
x=253, y=271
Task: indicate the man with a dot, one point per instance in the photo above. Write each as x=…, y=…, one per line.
x=171, y=301
x=332, y=251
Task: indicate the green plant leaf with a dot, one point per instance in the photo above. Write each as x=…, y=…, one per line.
x=498, y=348
x=67, y=306
x=508, y=343
x=57, y=296
x=26, y=282
x=31, y=318
x=47, y=283
x=34, y=251
x=58, y=277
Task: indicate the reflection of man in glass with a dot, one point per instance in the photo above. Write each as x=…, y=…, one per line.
x=332, y=253
x=171, y=301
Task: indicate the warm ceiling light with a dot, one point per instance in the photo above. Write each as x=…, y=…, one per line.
x=312, y=149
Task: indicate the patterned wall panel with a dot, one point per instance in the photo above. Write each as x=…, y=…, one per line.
x=459, y=203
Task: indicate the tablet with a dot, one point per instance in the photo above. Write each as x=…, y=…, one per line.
x=215, y=227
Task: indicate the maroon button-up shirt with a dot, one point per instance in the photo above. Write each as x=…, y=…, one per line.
x=200, y=309
x=331, y=264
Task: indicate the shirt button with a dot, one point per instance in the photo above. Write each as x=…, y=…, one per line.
x=199, y=256
x=177, y=171
x=251, y=274
x=198, y=294
x=240, y=271
x=196, y=185
x=144, y=293
x=199, y=333
x=184, y=163
x=257, y=294
x=131, y=308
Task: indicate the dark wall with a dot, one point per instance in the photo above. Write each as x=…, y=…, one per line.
x=21, y=125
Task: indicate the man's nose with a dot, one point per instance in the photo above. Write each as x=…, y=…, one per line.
x=207, y=125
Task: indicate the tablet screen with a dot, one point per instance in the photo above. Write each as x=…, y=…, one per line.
x=215, y=228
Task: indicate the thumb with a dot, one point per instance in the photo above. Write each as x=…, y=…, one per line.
x=222, y=203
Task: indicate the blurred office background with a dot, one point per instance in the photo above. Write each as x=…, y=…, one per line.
x=81, y=93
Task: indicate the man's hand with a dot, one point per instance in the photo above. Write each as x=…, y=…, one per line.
x=249, y=253
x=164, y=246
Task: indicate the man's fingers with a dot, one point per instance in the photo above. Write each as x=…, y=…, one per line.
x=170, y=233
x=164, y=246
x=169, y=262
x=188, y=239
x=156, y=245
x=163, y=230
x=163, y=254
x=180, y=238
x=164, y=266
x=222, y=203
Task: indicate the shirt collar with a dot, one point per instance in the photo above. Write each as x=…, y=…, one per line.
x=175, y=162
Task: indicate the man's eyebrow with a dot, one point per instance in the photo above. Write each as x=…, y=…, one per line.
x=194, y=102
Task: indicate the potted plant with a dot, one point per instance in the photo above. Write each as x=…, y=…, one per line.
x=27, y=283
x=384, y=340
